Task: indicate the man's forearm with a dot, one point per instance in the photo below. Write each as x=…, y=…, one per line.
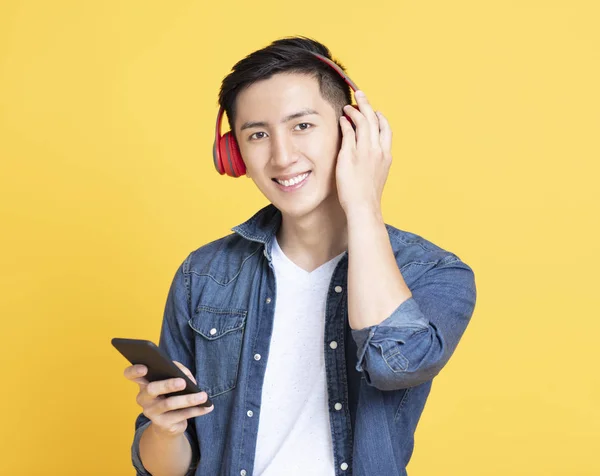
x=375, y=285
x=165, y=456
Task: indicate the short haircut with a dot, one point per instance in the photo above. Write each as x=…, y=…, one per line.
x=285, y=55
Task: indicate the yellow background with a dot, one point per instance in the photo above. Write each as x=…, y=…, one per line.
x=107, y=112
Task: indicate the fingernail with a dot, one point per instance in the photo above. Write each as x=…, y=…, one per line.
x=359, y=94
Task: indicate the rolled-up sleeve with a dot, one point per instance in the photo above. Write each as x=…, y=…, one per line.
x=176, y=340
x=414, y=343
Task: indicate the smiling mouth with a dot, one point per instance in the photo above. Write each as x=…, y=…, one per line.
x=293, y=181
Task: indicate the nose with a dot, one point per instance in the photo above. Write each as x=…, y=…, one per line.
x=283, y=152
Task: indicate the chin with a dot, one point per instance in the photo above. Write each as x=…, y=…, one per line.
x=296, y=206
x=299, y=210
x=296, y=210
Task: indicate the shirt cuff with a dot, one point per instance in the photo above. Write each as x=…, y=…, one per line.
x=135, y=451
x=406, y=316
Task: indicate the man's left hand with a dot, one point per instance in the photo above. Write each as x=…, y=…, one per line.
x=365, y=157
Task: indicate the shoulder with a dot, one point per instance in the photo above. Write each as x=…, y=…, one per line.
x=426, y=265
x=221, y=257
x=411, y=248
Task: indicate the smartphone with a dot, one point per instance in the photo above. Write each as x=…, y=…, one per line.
x=160, y=366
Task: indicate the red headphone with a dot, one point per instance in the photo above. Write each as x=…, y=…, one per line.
x=226, y=152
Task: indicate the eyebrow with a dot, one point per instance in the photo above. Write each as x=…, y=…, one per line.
x=303, y=112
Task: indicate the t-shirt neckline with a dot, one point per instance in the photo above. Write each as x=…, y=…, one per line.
x=326, y=269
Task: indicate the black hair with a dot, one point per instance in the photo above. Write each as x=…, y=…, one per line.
x=286, y=55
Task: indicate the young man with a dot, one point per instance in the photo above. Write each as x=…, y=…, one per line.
x=315, y=328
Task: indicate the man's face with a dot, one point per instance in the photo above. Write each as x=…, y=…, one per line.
x=286, y=130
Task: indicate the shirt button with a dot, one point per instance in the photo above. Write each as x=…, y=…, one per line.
x=213, y=331
x=268, y=300
x=344, y=466
x=256, y=356
x=333, y=344
x=338, y=289
x=243, y=472
x=338, y=406
x=249, y=413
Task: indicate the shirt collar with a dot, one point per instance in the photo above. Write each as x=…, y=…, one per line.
x=261, y=227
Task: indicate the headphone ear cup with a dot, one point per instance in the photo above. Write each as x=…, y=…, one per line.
x=217, y=163
x=225, y=155
x=236, y=158
x=231, y=158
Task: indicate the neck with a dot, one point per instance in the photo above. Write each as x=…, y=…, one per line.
x=313, y=239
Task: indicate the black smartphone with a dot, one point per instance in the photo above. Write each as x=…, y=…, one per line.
x=160, y=366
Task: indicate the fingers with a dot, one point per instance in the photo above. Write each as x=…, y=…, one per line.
x=362, y=133
x=373, y=131
x=174, y=417
x=163, y=387
x=176, y=421
x=135, y=373
x=174, y=403
x=170, y=415
x=385, y=136
x=348, y=135
x=369, y=113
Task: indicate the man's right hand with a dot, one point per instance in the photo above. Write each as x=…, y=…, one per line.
x=169, y=415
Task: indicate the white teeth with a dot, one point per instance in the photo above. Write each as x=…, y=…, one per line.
x=293, y=181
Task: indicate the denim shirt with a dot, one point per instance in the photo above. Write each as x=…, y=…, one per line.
x=218, y=322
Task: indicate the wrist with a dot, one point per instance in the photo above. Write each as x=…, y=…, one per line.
x=362, y=212
x=157, y=434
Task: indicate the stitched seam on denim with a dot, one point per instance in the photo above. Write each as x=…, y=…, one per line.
x=218, y=337
x=421, y=244
x=246, y=236
x=419, y=263
x=420, y=331
x=452, y=258
x=263, y=236
x=403, y=359
x=234, y=312
x=376, y=339
x=239, y=312
x=402, y=402
x=344, y=375
x=233, y=278
x=221, y=392
x=231, y=384
x=186, y=281
x=275, y=221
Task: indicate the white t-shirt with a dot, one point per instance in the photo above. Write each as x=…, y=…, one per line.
x=294, y=433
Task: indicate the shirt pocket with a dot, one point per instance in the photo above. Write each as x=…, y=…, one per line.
x=218, y=345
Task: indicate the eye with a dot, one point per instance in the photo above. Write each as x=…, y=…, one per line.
x=304, y=124
x=251, y=137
